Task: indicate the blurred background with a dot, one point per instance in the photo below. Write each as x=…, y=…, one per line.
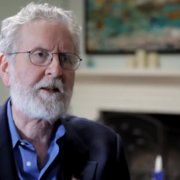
x=136, y=93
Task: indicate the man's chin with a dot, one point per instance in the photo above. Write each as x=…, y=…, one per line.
x=44, y=116
x=41, y=108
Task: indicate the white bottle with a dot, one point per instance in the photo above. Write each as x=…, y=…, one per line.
x=158, y=173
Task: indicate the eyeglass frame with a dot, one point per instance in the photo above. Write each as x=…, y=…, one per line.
x=29, y=52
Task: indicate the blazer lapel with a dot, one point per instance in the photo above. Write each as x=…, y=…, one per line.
x=7, y=164
x=74, y=156
x=88, y=172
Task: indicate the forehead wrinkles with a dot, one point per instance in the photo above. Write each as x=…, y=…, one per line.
x=62, y=42
x=62, y=48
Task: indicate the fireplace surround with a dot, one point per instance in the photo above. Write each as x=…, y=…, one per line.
x=149, y=91
x=145, y=136
x=143, y=106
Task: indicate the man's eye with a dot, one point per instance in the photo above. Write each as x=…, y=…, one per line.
x=40, y=54
x=64, y=58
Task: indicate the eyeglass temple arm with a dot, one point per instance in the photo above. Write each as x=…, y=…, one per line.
x=19, y=52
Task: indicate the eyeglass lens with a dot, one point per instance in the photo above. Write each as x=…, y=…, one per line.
x=42, y=57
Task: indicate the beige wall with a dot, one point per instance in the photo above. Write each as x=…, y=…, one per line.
x=4, y=93
x=11, y=7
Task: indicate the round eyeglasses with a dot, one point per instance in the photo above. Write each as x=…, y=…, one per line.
x=43, y=57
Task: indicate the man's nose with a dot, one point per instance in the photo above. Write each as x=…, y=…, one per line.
x=54, y=69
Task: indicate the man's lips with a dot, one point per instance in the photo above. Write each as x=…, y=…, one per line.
x=51, y=89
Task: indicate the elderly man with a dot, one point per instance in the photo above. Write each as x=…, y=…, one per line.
x=39, y=55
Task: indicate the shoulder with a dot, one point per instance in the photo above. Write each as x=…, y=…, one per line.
x=79, y=122
x=91, y=128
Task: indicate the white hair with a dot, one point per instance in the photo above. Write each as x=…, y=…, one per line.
x=11, y=26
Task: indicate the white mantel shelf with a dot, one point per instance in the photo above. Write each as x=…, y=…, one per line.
x=125, y=90
x=127, y=72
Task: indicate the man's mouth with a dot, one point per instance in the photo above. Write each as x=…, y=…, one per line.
x=51, y=89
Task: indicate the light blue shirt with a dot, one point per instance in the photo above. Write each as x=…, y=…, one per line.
x=26, y=158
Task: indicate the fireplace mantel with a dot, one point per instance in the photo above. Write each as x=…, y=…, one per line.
x=153, y=73
x=125, y=90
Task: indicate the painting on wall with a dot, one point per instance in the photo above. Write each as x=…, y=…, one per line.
x=123, y=26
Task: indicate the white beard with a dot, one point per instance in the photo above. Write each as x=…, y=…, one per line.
x=39, y=104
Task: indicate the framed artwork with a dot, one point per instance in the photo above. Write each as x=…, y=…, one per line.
x=123, y=26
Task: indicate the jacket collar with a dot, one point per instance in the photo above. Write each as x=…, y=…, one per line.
x=74, y=153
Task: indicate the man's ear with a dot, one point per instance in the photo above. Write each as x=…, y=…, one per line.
x=4, y=70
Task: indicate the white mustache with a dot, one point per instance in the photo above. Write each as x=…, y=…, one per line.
x=55, y=83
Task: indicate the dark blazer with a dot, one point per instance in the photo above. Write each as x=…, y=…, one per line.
x=90, y=151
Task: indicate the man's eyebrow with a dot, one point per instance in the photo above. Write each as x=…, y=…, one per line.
x=39, y=47
x=59, y=51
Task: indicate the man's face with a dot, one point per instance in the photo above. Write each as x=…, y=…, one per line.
x=35, y=87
